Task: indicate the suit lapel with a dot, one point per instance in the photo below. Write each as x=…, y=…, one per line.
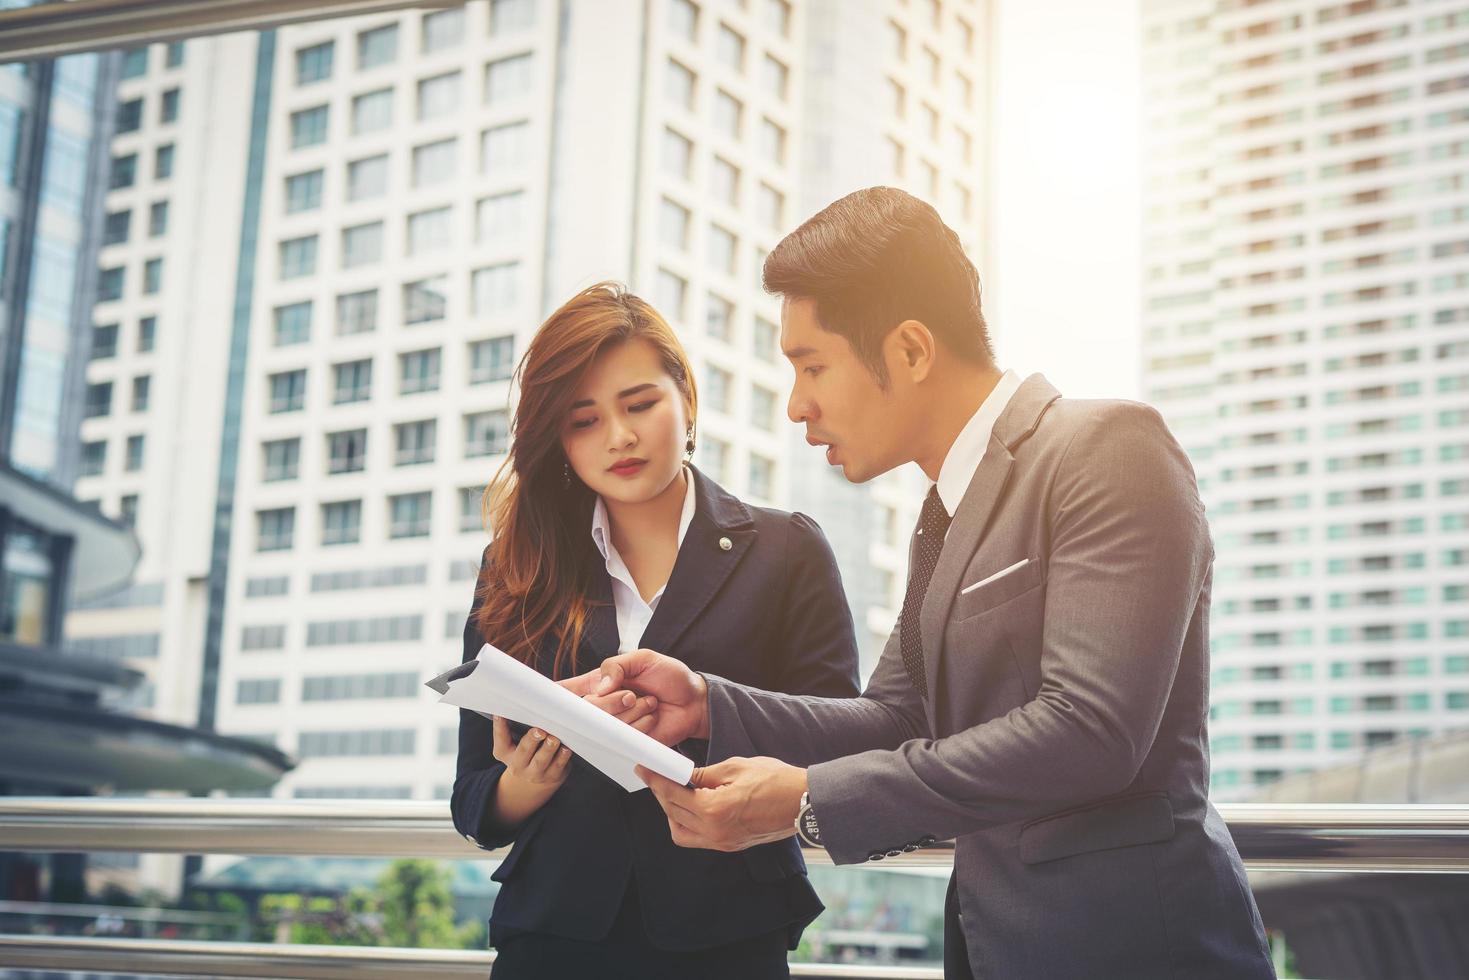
x=599, y=639
x=986, y=487
x=703, y=564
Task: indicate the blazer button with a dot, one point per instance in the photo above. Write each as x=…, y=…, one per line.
x=928, y=840
x=910, y=848
x=876, y=856
x=725, y=544
x=895, y=852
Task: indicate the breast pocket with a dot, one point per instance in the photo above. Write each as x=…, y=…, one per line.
x=987, y=592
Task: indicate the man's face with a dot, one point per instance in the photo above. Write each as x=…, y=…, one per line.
x=837, y=398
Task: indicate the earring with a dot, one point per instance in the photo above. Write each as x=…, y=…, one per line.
x=689, y=446
x=565, y=476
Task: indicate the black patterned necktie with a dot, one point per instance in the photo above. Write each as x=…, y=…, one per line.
x=933, y=524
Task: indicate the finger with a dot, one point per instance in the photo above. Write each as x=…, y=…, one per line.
x=640, y=708
x=613, y=670
x=645, y=724
x=563, y=759
x=675, y=800
x=525, y=750
x=581, y=685
x=503, y=746
x=545, y=754
x=614, y=703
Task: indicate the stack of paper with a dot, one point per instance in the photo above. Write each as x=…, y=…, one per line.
x=494, y=683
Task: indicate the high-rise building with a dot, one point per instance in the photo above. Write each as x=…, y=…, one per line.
x=356, y=227
x=1306, y=333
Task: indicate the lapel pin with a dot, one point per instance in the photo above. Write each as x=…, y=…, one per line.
x=725, y=544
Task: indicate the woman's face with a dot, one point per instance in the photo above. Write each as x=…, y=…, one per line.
x=628, y=424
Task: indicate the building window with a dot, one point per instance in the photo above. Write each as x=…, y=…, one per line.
x=722, y=248
x=770, y=207
x=678, y=154
x=298, y=257
x=714, y=458
x=729, y=48
x=724, y=182
x=127, y=509
x=678, y=85
x=303, y=192
x=486, y=434
x=765, y=340
x=129, y=116
x=276, y=529
x=158, y=219
x=314, y=64
x=142, y=389
x=470, y=508
x=772, y=142
x=168, y=109
x=163, y=162
x=719, y=318
x=287, y=391
x=428, y=231
x=511, y=15
x=414, y=442
x=495, y=288
x=419, y=371
x=672, y=292
x=134, y=63
x=115, y=227
x=508, y=78
x=762, y=476
x=673, y=225
x=94, y=458
x=174, y=55
x=152, y=276
x=346, y=451
x=357, y=312
x=762, y=408
x=504, y=149
x=425, y=301
x=104, y=341
x=372, y=111
x=362, y=245
x=309, y=127
x=258, y=691
x=491, y=360
x=109, y=284
x=147, y=333
x=438, y=96
x=433, y=163
x=500, y=218
x=282, y=459
x=378, y=46
x=123, y=173
x=775, y=76
x=410, y=515
x=717, y=385
x=293, y=324
x=442, y=29
x=778, y=17
x=341, y=522
x=133, y=459
x=353, y=381
x=729, y=114
x=367, y=178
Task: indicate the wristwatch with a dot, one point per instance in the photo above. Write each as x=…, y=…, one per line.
x=806, y=827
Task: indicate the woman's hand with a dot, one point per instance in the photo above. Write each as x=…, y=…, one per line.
x=535, y=768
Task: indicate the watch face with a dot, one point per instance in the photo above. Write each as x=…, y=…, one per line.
x=808, y=825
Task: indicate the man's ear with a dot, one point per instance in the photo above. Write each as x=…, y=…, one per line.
x=914, y=348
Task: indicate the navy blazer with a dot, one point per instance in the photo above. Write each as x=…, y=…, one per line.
x=769, y=611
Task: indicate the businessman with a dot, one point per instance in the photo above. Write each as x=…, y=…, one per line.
x=1043, y=698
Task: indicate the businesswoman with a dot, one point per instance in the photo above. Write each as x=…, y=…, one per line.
x=606, y=539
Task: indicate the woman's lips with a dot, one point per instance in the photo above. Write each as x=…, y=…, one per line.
x=629, y=468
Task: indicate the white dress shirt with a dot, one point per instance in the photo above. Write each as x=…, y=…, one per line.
x=633, y=613
x=969, y=448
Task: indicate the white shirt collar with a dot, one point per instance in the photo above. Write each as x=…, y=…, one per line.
x=601, y=526
x=969, y=448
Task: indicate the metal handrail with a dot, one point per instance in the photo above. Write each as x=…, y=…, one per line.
x=281, y=961
x=1274, y=837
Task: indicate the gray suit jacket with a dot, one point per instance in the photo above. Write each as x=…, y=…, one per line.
x=1062, y=741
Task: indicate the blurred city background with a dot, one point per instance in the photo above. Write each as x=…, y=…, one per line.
x=262, y=294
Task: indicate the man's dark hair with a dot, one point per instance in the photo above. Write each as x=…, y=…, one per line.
x=875, y=258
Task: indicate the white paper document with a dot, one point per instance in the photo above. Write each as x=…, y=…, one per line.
x=495, y=683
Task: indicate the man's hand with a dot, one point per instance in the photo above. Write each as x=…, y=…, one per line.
x=674, y=702
x=737, y=804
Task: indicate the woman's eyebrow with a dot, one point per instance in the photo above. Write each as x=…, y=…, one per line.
x=624, y=393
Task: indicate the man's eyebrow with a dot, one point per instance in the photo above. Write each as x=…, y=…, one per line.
x=624, y=393
x=796, y=353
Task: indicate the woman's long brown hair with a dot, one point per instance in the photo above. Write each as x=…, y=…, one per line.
x=541, y=559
